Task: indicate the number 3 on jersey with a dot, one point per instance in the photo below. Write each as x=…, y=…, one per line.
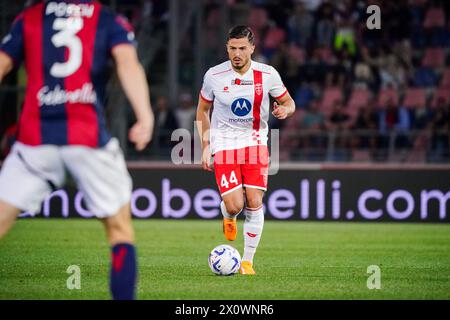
x=67, y=37
x=225, y=183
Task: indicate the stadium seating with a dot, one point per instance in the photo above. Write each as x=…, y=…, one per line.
x=258, y=18
x=358, y=99
x=414, y=98
x=442, y=92
x=434, y=58
x=288, y=140
x=275, y=36
x=445, y=82
x=387, y=94
x=325, y=54
x=434, y=18
x=330, y=97
x=297, y=53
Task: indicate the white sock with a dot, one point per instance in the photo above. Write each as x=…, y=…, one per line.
x=225, y=213
x=253, y=227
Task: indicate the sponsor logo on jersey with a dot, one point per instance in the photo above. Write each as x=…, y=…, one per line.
x=241, y=107
x=85, y=94
x=240, y=82
x=241, y=120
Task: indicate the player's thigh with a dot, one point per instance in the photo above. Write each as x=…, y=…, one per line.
x=29, y=174
x=101, y=175
x=227, y=172
x=255, y=171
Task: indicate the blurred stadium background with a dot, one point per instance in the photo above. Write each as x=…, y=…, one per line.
x=362, y=95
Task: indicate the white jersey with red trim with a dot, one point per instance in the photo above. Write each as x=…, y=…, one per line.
x=241, y=104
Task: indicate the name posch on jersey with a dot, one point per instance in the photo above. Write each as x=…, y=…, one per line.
x=57, y=96
x=62, y=9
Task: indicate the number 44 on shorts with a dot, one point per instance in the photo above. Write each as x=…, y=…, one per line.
x=225, y=183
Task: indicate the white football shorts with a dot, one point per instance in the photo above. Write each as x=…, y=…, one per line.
x=30, y=173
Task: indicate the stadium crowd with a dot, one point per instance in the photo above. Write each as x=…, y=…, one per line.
x=363, y=92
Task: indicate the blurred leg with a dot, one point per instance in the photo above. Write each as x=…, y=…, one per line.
x=119, y=228
x=8, y=215
x=120, y=234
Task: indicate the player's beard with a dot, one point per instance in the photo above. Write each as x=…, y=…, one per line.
x=239, y=67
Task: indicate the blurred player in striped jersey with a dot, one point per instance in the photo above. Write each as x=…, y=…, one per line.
x=237, y=134
x=66, y=46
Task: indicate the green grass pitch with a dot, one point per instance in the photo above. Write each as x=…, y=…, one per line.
x=295, y=260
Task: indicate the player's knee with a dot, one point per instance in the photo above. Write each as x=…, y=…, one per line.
x=234, y=208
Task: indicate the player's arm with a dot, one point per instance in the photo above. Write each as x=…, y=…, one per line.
x=284, y=107
x=134, y=82
x=203, y=127
x=6, y=65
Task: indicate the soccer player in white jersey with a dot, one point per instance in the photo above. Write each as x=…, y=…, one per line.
x=237, y=133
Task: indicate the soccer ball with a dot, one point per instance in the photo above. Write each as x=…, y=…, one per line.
x=224, y=260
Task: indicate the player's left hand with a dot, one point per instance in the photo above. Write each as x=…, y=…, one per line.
x=279, y=111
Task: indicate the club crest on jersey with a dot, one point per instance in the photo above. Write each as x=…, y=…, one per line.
x=258, y=89
x=241, y=107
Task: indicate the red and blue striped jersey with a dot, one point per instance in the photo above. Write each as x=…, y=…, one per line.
x=66, y=47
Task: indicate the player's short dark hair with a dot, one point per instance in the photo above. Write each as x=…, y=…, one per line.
x=239, y=32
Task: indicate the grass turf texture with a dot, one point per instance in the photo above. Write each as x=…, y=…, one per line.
x=296, y=260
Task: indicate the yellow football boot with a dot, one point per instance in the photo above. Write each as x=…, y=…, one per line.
x=246, y=268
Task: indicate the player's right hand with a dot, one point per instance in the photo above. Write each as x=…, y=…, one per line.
x=140, y=134
x=206, y=159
